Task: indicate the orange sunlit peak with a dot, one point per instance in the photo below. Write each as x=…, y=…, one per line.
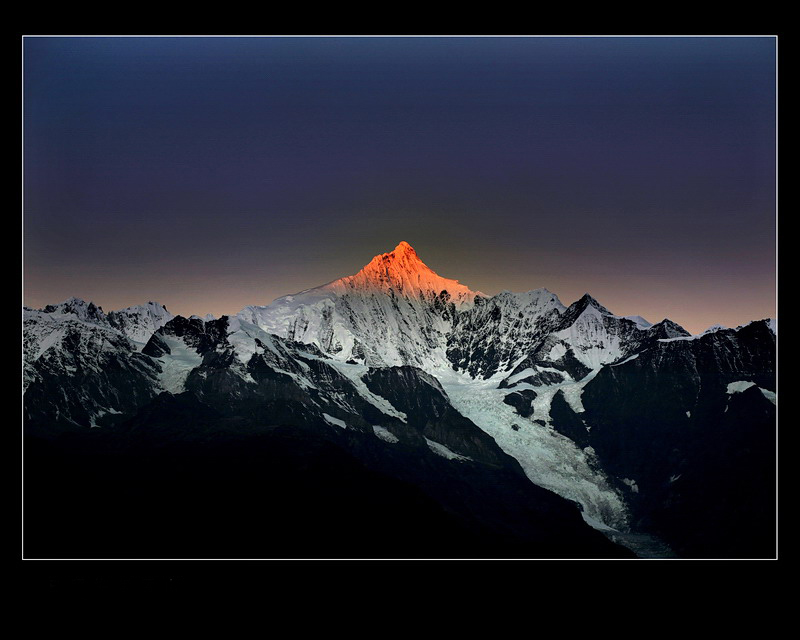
x=403, y=247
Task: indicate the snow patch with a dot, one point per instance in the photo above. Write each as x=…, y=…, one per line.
x=384, y=434
x=632, y=484
x=769, y=395
x=739, y=386
x=50, y=339
x=441, y=450
x=633, y=357
x=334, y=421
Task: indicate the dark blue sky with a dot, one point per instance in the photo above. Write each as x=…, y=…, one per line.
x=210, y=173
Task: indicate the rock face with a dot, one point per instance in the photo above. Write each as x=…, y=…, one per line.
x=493, y=335
x=643, y=425
x=690, y=444
x=565, y=420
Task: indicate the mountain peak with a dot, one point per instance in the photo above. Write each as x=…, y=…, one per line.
x=403, y=255
x=587, y=299
x=86, y=311
x=670, y=329
x=402, y=272
x=404, y=247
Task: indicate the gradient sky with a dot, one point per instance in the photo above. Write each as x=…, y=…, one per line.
x=212, y=173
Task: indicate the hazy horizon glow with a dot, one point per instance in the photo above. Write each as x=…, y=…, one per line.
x=213, y=173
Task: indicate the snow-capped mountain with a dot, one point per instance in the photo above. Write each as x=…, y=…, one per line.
x=395, y=311
x=398, y=311
x=587, y=337
x=84, y=311
x=141, y=321
x=82, y=364
x=77, y=369
x=137, y=323
x=399, y=358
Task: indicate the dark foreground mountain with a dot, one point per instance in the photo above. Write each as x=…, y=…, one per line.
x=286, y=492
x=396, y=413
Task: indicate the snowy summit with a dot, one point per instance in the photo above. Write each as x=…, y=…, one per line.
x=402, y=271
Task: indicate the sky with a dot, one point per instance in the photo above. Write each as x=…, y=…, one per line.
x=213, y=173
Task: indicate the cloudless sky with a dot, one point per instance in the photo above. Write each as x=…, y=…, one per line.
x=212, y=173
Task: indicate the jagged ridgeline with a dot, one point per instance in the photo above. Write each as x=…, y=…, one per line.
x=397, y=413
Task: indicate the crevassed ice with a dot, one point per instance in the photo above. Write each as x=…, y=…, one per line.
x=176, y=366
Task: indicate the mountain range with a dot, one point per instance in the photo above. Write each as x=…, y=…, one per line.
x=397, y=413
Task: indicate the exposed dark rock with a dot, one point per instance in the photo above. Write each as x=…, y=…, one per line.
x=566, y=421
x=521, y=401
